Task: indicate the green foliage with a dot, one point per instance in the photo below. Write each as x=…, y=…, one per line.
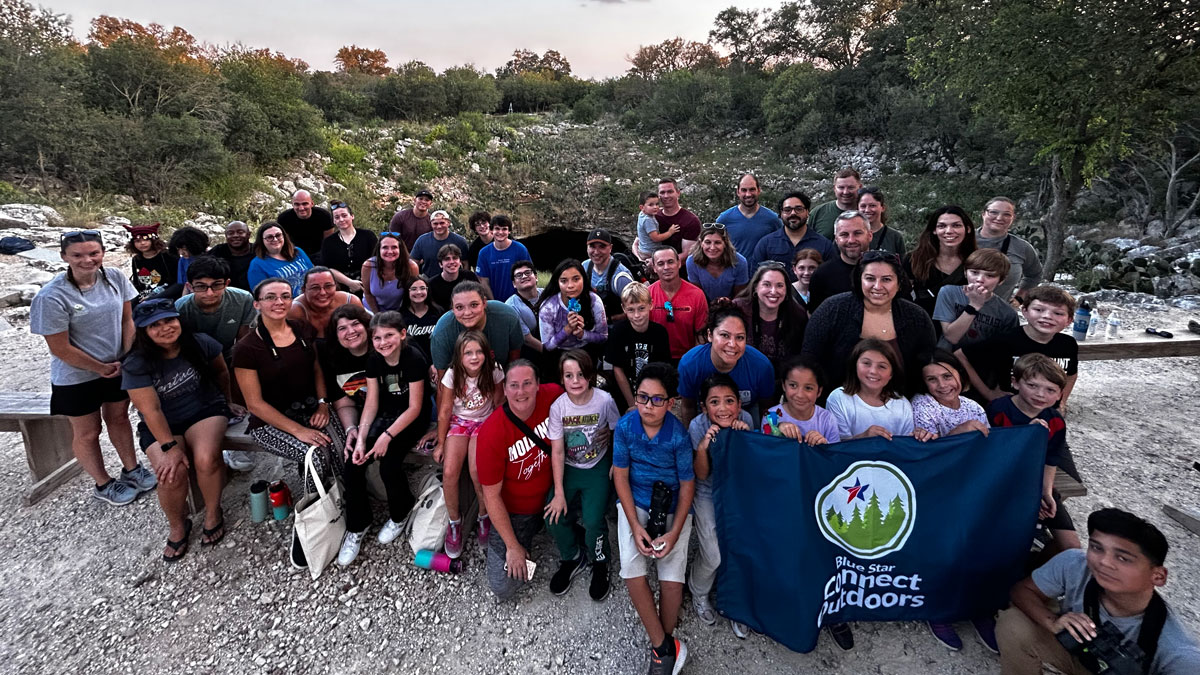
x=428, y=169
x=268, y=117
x=9, y=193
x=412, y=92
x=683, y=99
x=468, y=132
x=229, y=191
x=587, y=110
x=468, y=90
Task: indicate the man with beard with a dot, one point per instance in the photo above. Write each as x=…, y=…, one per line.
x=236, y=252
x=846, y=184
x=306, y=225
x=782, y=245
x=671, y=213
x=852, y=235
x=609, y=277
x=749, y=221
x=414, y=222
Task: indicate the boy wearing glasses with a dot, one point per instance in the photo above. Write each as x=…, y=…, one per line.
x=652, y=451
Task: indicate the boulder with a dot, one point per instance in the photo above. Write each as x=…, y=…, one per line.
x=1123, y=243
x=115, y=221
x=1176, y=285
x=1142, y=251
x=26, y=291
x=39, y=277
x=29, y=216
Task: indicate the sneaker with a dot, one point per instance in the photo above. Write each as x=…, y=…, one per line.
x=454, y=539
x=391, y=530
x=669, y=665
x=946, y=635
x=350, y=546
x=560, y=583
x=842, y=635
x=140, y=479
x=985, y=630
x=599, y=587
x=483, y=529
x=704, y=609
x=299, y=561
x=237, y=460
x=115, y=492
x=741, y=630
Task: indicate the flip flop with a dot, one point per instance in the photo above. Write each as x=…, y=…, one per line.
x=178, y=545
x=210, y=531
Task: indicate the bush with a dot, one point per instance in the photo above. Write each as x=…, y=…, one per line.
x=586, y=111
x=428, y=169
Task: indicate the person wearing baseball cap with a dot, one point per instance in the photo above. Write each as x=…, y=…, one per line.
x=425, y=250
x=413, y=222
x=609, y=277
x=179, y=384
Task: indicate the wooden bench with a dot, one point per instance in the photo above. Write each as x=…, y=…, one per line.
x=1067, y=486
x=47, y=441
x=1141, y=346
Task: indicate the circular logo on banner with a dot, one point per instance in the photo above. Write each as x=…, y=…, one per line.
x=869, y=509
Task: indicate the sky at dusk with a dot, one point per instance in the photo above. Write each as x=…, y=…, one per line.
x=594, y=36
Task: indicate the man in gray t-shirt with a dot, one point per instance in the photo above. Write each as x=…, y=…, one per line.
x=1126, y=573
x=224, y=321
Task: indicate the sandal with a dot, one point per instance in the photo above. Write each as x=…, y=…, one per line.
x=180, y=547
x=210, y=533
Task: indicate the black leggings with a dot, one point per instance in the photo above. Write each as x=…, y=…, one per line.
x=391, y=470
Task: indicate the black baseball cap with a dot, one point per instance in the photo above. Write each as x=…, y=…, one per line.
x=600, y=235
x=149, y=311
x=424, y=192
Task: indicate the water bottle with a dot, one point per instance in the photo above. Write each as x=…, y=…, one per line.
x=1094, y=326
x=1114, y=327
x=1083, y=317
x=438, y=561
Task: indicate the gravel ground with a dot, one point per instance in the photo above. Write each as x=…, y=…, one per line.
x=86, y=591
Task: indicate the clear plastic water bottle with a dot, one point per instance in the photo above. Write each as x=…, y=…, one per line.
x=1094, y=325
x=1113, y=331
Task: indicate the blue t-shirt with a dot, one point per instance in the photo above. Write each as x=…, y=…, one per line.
x=426, y=250
x=745, y=232
x=721, y=286
x=496, y=267
x=621, y=277
x=666, y=457
x=754, y=375
x=290, y=270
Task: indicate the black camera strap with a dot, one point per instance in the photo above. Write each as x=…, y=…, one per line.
x=1153, y=620
x=524, y=428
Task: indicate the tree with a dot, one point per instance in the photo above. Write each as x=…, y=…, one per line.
x=833, y=33
x=412, y=92
x=742, y=32
x=268, y=117
x=552, y=64
x=341, y=97
x=468, y=89
x=177, y=44
x=355, y=59
x=1076, y=80
x=653, y=61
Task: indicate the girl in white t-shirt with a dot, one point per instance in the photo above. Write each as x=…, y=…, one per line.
x=469, y=392
x=870, y=402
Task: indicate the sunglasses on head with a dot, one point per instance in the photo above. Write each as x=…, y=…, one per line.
x=712, y=226
x=80, y=234
x=878, y=256
x=670, y=311
x=390, y=234
x=333, y=206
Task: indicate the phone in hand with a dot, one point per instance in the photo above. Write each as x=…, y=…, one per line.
x=530, y=566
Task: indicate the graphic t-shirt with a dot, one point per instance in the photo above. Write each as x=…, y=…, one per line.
x=630, y=350
x=1002, y=412
x=586, y=430
x=993, y=359
x=153, y=274
x=91, y=318
x=182, y=394
x=236, y=310
x=473, y=405
x=930, y=415
x=291, y=271
x=395, y=381
x=506, y=454
x=345, y=374
x=285, y=374
x=822, y=421
x=420, y=330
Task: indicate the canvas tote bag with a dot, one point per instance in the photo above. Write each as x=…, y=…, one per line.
x=320, y=518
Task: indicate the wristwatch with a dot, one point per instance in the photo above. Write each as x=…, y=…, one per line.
x=168, y=445
x=969, y=309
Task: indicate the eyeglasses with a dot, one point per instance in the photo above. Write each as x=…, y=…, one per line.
x=655, y=401
x=794, y=209
x=999, y=215
x=272, y=237
x=712, y=226
x=204, y=288
x=328, y=288
x=523, y=274
x=878, y=256
x=670, y=311
x=80, y=234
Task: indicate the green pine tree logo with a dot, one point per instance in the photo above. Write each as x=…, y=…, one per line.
x=850, y=509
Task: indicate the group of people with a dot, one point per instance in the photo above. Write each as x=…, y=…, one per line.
x=819, y=328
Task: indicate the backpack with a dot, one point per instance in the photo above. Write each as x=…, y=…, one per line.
x=426, y=527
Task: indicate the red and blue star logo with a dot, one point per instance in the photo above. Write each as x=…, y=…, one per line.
x=856, y=490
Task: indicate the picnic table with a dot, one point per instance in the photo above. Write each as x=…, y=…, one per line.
x=1141, y=346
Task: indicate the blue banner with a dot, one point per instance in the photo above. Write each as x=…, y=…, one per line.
x=871, y=529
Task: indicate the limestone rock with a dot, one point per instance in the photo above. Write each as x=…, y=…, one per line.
x=29, y=215
x=1177, y=284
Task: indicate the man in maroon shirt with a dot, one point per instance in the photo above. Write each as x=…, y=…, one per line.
x=414, y=222
x=672, y=213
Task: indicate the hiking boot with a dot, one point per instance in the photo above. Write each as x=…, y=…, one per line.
x=985, y=630
x=599, y=587
x=946, y=635
x=560, y=583
x=483, y=528
x=454, y=539
x=842, y=635
x=669, y=664
x=704, y=608
x=140, y=478
x=740, y=630
x=391, y=529
x=237, y=460
x=299, y=561
x=350, y=546
x=115, y=492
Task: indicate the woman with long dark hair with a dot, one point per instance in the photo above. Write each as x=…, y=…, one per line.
x=276, y=256
x=87, y=320
x=420, y=313
x=347, y=248
x=179, y=384
x=945, y=243
x=343, y=357
x=570, y=315
x=776, y=321
x=386, y=273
